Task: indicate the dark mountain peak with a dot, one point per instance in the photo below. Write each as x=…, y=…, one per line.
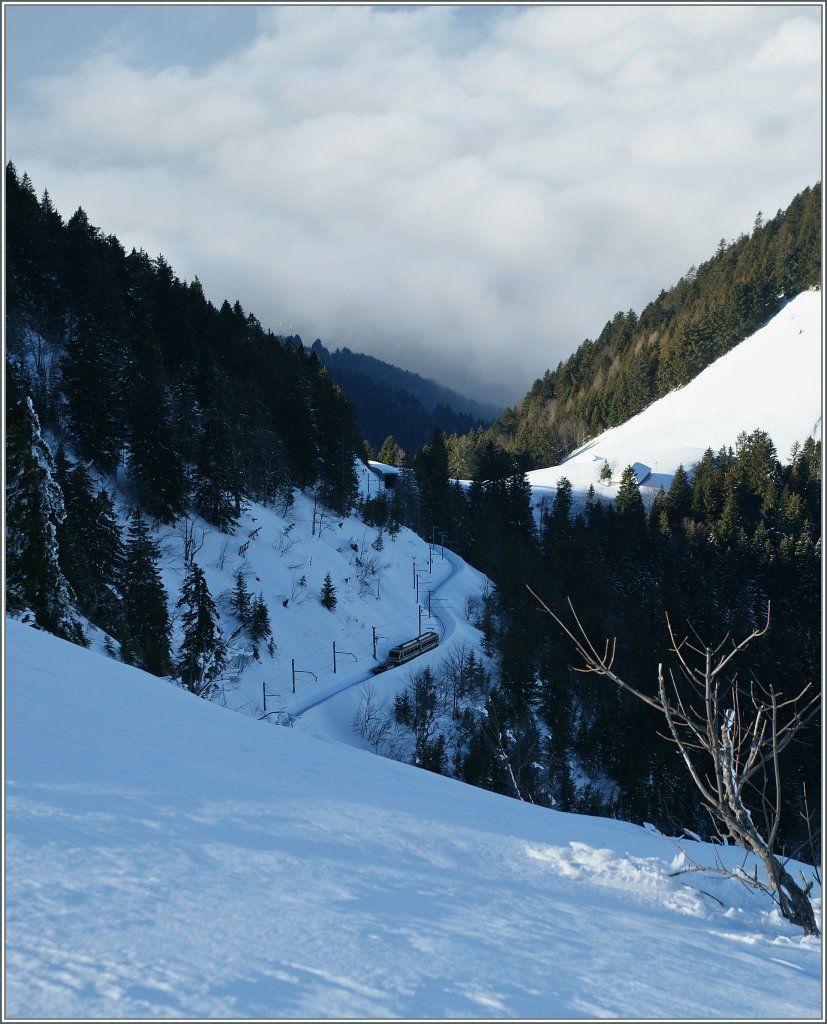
x=430, y=392
x=397, y=402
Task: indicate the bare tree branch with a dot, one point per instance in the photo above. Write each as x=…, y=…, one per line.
x=728, y=737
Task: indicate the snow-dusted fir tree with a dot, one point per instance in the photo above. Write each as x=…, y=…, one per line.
x=203, y=652
x=261, y=631
x=328, y=596
x=241, y=600
x=91, y=545
x=34, y=511
x=145, y=639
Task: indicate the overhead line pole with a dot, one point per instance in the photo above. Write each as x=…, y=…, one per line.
x=376, y=636
x=301, y=671
x=335, y=652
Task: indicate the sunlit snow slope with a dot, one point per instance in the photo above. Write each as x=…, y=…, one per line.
x=772, y=381
x=169, y=858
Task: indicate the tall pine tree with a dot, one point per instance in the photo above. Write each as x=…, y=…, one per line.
x=203, y=652
x=91, y=546
x=34, y=512
x=145, y=640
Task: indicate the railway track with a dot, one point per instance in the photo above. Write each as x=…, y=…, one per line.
x=453, y=569
x=443, y=619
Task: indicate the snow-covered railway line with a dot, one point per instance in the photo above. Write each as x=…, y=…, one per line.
x=299, y=710
x=453, y=569
x=444, y=620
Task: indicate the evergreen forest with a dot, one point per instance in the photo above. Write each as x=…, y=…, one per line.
x=132, y=372
x=743, y=530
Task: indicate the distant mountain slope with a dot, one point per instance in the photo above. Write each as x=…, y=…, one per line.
x=389, y=400
x=772, y=381
x=637, y=359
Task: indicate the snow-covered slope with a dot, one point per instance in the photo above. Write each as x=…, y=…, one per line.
x=772, y=381
x=168, y=858
x=284, y=555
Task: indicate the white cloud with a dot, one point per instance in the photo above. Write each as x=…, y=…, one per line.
x=468, y=192
x=794, y=44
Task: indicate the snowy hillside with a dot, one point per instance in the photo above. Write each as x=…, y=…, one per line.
x=772, y=381
x=168, y=858
x=284, y=556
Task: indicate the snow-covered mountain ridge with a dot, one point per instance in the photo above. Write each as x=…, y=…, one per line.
x=772, y=381
x=168, y=859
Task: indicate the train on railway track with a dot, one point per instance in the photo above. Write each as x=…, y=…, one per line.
x=408, y=650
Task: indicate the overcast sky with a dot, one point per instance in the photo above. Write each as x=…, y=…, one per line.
x=466, y=191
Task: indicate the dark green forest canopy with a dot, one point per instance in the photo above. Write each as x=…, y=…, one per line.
x=743, y=532
x=199, y=405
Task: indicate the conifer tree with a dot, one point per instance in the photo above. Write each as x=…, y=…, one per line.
x=145, y=639
x=418, y=708
x=563, y=502
x=215, y=491
x=328, y=593
x=430, y=467
x=19, y=219
x=631, y=514
x=679, y=498
x=34, y=512
x=155, y=466
x=337, y=442
x=658, y=517
x=92, y=370
x=91, y=545
x=240, y=601
x=726, y=529
x=203, y=652
x=260, y=629
x=389, y=453
x=520, y=520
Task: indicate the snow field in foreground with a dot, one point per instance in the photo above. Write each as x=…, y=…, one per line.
x=166, y=857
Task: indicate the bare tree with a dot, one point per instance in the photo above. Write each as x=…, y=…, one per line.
x=462, y=674
x=298, y=584
x=320, y=516
x=283, y=499
x=285, y=541
x=371, y=719
x=730, y=737
x=471, y=608
x=222, y=554
x=192, y=536
x=516, y=751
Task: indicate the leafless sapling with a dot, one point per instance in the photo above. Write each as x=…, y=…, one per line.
x=730, y=736
x=372, y=720
x=192, y=536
